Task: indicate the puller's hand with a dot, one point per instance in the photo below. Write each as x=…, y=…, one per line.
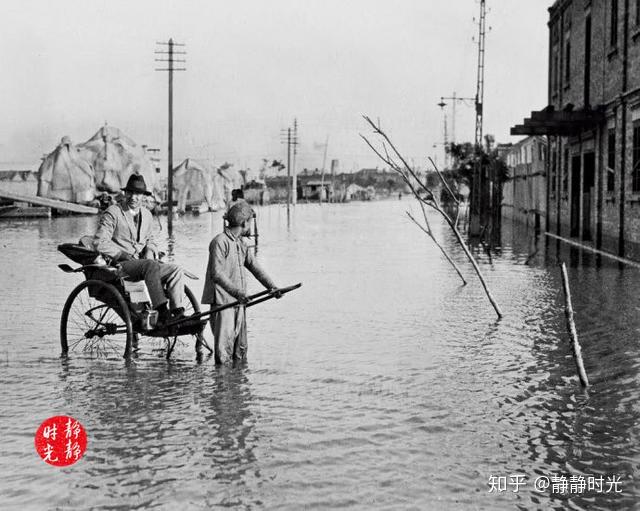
x=275, y=292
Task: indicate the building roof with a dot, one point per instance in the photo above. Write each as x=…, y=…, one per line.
x=565, y=122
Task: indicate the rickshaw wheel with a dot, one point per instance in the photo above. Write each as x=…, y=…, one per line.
x=96, y=320
x=191, y=306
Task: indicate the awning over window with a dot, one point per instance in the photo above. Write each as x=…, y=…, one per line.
x=564, y=123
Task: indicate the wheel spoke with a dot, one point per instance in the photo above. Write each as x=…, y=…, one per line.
x=94, y=326
x=100, y=325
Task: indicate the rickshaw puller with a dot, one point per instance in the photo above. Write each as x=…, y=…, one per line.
x=226, y=283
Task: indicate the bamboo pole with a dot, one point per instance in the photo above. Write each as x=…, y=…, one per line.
x=571, y=327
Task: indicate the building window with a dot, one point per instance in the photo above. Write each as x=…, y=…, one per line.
x=637, y=12
x=567, y=63
x=611, y=159
x=613, y=36
x=565, y=171
x=635, y=174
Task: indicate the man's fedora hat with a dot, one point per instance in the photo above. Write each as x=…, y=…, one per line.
x=136, y=184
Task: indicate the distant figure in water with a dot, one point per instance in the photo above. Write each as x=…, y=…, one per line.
x=237, y=194
x=226, y=283
x=400, y=196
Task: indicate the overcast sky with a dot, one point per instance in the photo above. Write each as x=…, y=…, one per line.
x=255, y=65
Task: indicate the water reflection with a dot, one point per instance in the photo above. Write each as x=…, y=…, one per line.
x=567, y=427
x=162, y=429
x=226, y=410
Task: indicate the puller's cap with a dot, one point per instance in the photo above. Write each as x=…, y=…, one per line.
x=240, y=212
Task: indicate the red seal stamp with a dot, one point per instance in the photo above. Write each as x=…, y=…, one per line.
x=61, y=440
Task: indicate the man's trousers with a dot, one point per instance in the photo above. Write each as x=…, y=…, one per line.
x=229, y=329
x=158, y=277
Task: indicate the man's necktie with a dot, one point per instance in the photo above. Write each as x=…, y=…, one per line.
x=138, y=224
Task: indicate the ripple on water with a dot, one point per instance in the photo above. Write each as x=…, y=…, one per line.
x=381, y=383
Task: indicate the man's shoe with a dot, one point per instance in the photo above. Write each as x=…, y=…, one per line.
x=164, y=315
x=177, y=313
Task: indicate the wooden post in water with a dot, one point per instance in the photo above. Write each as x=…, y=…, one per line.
x=288, y=168
x=571, y=327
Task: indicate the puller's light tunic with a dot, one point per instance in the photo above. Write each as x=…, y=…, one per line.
x=225, y=283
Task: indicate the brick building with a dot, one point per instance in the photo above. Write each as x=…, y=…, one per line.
x=592, y=124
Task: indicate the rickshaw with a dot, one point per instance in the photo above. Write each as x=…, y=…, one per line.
x=108, y=314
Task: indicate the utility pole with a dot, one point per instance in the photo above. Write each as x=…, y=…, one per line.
x=288, y=167
x=295, y=153
x=454, y=99
x=324, y=162
x=170, y=60
x=445, y=141
x=290, y=140
x=480, y=81
x=476, y=192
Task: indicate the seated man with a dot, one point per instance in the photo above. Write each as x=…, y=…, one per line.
x=126, y=234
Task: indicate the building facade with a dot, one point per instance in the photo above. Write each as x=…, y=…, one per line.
x=592, y=124
x=524, y=194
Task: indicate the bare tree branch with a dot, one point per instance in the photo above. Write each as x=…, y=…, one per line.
x=375, y=150
x=430, y=200
x=444, y=182
x=454, y=196
x=444, y=252
x=407, y=167
x=424, y=214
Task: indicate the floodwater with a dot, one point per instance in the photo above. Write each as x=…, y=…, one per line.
x=382, y=383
